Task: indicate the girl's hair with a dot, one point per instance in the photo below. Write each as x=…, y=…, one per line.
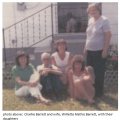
x=58, y=42
x=21, y=54
x=96, y=5
x=78, y=59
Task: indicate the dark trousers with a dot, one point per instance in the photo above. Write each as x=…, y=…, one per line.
x=51, y=84
x=94, y=59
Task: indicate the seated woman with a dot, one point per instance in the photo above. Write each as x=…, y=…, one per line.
x=62, y=58
x=50, y=77
x=81, y=80
x=25, y=84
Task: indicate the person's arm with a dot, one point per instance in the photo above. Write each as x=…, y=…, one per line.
x=55, y=71
x=106, y=43
x=16, y=76
x=45, y=71
x=69, y=63
x=70, y=59
x=71, y=85
x=89, y=74
x=24, y=83
x=107, y=37
x=21, y=82
x=53, y=61
x=41, y=69
x=84, y=51
x=38, y=68
x=58, y=70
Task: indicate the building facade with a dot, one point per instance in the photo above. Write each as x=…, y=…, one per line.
x=34, y=26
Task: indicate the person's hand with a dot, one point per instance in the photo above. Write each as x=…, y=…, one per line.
x=45, y=72
x=34, y=84
x=104, y=54
x=48, y=70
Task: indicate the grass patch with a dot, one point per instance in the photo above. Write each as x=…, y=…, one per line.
x=10, y=102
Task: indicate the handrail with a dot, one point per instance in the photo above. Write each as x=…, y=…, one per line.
x=40, y=40
x=32, y=45
x=37, y=42
x=27, y=17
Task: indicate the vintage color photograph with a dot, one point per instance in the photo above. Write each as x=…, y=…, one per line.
x=60, y=56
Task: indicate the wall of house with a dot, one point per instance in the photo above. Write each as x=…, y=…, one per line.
x=76, y=41
x=8, y=16
x=110, y=10
x=12, y=15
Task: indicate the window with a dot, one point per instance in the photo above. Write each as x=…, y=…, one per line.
x=72, y=17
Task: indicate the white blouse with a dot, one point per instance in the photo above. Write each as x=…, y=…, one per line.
x=41, y=67
x=95, y=33
x=59, y=62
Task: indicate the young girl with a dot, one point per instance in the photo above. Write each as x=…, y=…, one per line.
x=62, y=58
x=81, y=80
x=26, y=80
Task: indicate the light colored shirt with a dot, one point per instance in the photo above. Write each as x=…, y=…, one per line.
x=62, y=64
x=95, y=33
x=41, y=67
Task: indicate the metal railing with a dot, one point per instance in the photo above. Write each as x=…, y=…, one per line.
x=28, y=32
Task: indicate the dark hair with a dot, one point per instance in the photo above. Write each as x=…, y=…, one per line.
x=17, y=59
x=78, y=59
x=59, y=41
